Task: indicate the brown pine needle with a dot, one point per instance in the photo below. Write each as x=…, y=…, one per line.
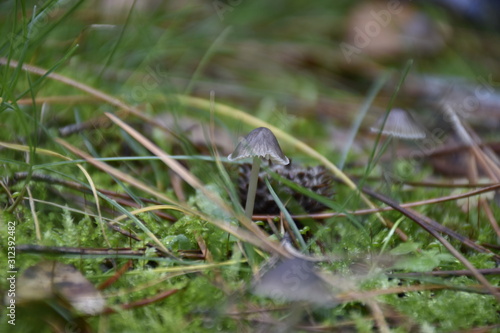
x=320, y=216
x=414, y=216
x=116, y=276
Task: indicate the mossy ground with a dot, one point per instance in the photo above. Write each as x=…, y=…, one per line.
x=278, y=61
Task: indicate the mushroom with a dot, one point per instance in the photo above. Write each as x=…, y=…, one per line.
x=399, y=124
x=258, y=144
x=296, y=280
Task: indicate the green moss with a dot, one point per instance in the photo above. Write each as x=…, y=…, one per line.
x=449, y=310
x=183, y=235
x=268, y=65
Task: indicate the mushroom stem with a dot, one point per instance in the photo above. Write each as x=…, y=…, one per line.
x=252, y=187
x=394, y=154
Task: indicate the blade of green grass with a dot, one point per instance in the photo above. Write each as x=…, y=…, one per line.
x=285, y=212
x=372, y=93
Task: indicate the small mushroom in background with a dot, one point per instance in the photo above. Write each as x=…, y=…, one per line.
x=398, y=124
x=294, y=279
x=258, y=144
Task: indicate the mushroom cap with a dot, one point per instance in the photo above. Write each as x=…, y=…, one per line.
x=308, y=287
x=399, y=124
x=262, y=143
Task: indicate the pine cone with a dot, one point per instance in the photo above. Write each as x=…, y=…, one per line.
x=317, y=179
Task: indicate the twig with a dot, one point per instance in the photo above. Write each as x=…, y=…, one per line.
x=123, y=199
x=115, y=276
x=491, y=217
x=81, y=251
x=378, y=315
x=143, y=302
x=484, y=271
x=321, y=216
x=411, y=214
